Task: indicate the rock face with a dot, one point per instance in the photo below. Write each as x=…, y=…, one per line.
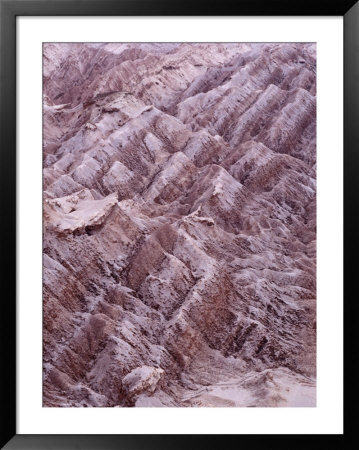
x=179, y=225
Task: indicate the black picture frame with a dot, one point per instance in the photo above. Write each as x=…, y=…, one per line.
x=9, y=10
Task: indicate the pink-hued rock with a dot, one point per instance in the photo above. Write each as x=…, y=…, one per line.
x=141, y=380
x=179, y=225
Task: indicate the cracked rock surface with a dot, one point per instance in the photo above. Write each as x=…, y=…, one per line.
x=179, y=265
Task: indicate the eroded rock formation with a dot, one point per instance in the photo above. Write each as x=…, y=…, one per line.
x=179, y=225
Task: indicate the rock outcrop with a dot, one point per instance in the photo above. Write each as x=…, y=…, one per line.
x=179, y=225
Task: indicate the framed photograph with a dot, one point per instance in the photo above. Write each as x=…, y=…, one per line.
x=175, y=178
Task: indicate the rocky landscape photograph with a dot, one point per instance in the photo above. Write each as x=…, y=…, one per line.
x=179, y=225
